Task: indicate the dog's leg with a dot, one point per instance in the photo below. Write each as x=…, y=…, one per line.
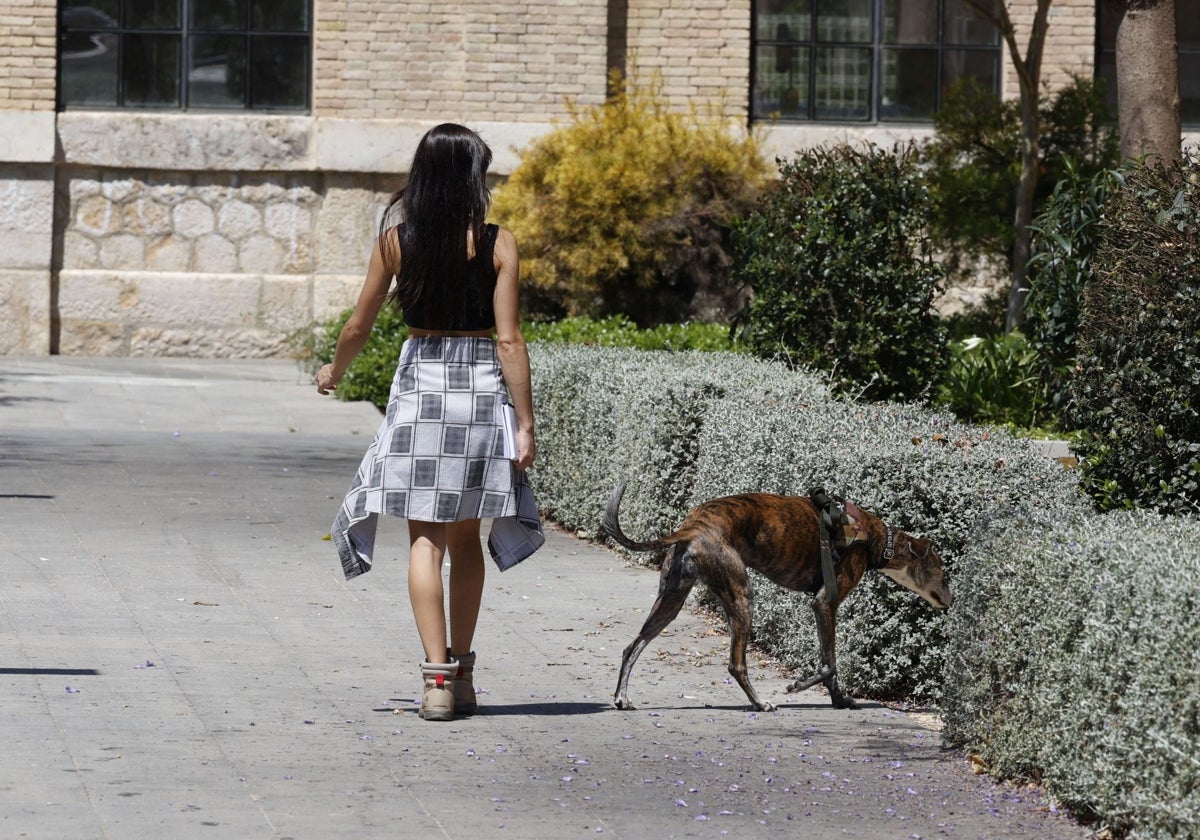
x=676, y=580
x=826, y=615
x=733, y=591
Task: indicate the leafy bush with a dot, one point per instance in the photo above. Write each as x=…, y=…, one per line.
x=1135, y=395
x=1074, y=661
x=974, y=157
x=995, y=380
x=1064, y=242
x=628, y=209
x=842, y=275
x=619, y=331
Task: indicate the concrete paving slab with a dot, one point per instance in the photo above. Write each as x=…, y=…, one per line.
x=180, y=656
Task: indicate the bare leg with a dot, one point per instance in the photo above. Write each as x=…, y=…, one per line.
x=466, y=583
x=427, y=548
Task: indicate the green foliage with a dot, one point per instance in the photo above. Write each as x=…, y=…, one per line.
x=1064, y=242
x=1135, y=395
x=842, y=274
x=619, y=331
x=628, y=209
x=994, y=380
x=1074, y=663
x=974, y=162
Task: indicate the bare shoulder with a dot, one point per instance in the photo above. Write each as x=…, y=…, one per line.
x=505, y=238
x=505, y=250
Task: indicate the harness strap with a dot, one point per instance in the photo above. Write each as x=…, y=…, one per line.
x=828, y=571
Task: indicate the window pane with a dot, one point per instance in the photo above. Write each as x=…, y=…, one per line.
x=844, y=20
x=781, y=82
x=217, y=75
x=90, y=14
x=89, y=69
x=909, y=84
x=150, y=70
x=784, y=20
x=280, y=16
x=151, y=14
x=1187, y=24
x=1189, y=89
x=1106, y=72
x=983, y=65
x=1110, y=16
x=910, y=21
x=278, y=72
x=843, y=84
x=964, y=25
x=218, y=14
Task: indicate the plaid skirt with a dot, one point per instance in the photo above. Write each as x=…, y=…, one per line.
x=439, y=453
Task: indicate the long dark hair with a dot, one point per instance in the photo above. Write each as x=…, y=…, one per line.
x=446, y=195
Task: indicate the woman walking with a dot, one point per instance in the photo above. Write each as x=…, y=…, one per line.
x=439, y=459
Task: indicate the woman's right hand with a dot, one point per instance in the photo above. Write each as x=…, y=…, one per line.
x=326, y=381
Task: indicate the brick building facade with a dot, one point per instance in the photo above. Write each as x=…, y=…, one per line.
x=184, y=231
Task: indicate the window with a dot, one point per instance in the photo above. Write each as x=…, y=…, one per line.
x=185, y=54
x=1187, y=35
x=866, y=60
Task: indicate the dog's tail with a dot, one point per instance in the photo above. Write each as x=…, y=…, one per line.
x=612, y=525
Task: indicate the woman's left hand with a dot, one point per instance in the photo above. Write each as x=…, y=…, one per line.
x=326, y=381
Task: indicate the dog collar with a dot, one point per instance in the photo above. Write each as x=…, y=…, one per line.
x=889, y=549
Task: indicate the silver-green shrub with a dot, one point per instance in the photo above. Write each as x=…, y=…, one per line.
x=1076, y=661
x=1072, y=652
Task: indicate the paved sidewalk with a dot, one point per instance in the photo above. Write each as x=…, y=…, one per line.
x=180, y=656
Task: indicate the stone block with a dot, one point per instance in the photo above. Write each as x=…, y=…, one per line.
x=25, y=302
x=332, y=294
x=286, y=303
x=261, y=254
x=123, y=251
x=193, y=218
x=215, y=254
x=91, y=338
x=238, y=219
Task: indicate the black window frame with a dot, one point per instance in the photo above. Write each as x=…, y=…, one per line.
x=878, y=48
x=120, y=35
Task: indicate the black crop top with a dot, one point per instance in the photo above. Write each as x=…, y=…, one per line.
x=478, y=288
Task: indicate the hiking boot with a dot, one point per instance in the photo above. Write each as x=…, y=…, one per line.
x=437, y=698
x=464, y=688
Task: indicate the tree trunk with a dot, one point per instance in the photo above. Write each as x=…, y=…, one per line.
x=1018, y=290
x=1148, y=80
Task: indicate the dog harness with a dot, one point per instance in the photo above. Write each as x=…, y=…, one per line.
x=841, y=529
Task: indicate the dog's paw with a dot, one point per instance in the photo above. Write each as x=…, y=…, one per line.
x=623, y=703
x=763, y=706
x=841, y=702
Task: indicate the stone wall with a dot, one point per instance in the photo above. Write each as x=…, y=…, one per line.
x=207, y=263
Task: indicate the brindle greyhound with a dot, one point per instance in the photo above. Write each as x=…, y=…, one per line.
x=779, y=536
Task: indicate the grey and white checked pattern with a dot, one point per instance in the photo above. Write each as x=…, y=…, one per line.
x=439, y=453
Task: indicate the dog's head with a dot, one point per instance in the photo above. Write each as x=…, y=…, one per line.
x=916, y=566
